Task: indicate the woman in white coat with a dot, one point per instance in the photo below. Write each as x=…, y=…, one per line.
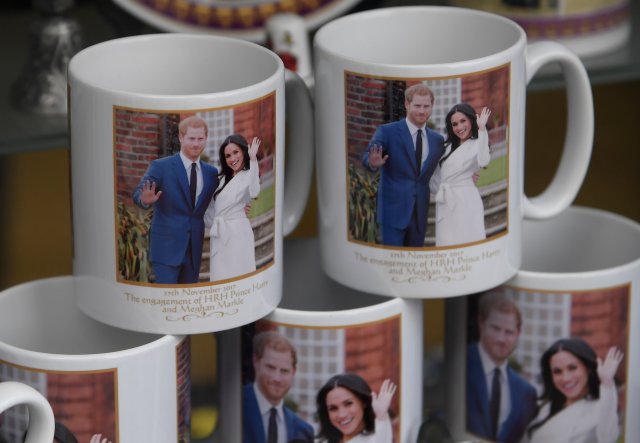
x=232, y=241
x=580, y=402
x=459, y=208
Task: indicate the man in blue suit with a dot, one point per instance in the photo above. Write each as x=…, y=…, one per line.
x=406, y=153
x=500, y=403
x=265, y=418
x=179, y=188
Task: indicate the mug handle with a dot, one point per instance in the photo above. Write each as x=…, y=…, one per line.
x=41, y=421
x=299, y=142
x=578, y=143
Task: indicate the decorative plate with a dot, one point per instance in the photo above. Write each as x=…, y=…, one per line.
x=235, y=18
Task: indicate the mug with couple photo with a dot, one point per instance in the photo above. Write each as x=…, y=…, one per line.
x=547, y=366
x=329, y=364
x=178, y=180
x=550, y=355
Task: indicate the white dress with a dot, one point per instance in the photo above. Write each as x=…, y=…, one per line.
x=459, y=209
x=383, y=433
x=232, y=242
x=585, y=421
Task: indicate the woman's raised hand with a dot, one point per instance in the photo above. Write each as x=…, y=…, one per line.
x=381, y=401
x=483, y=118
x=97, y=438
x=607, y=369
x=253, y=149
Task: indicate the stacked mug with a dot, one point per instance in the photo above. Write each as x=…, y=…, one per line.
x=180, y=207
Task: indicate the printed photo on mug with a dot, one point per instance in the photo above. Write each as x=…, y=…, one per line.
x=427, y=159
x=194, y=193
x=547, y=366
x=324, y=383
x=85, y=403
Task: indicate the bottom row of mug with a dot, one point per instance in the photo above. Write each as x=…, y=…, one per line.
x=548, y=357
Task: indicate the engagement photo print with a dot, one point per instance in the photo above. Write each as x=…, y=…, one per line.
x=83, y=403
x=321, y=384
x=547, y=366
x=195, y=193
x=427, y=159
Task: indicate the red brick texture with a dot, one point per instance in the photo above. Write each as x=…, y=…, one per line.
x=84, y=403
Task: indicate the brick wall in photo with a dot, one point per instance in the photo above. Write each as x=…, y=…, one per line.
x=366, y=109
x=137, y=138
x=601, y=319
x=374, y=352
x=257, y=119
x=84, y=403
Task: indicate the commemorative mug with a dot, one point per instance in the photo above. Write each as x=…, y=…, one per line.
x=41, y=424
x=177, y=161
x=420, y=148
x=103, y=383
x=565, y=329
x=321, y=336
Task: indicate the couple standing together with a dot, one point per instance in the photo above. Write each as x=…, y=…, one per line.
x=415, y=161
x=187, y=193
x=347, y=409
x=579, y=400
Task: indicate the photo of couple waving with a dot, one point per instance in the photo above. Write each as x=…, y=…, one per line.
x=561, y=390
x=188, y=195
x=414, y=162
x=346, y=408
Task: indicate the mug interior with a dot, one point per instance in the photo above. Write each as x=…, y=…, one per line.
x=174, y=64
x=418, y=35
x=41, y=316
x=579, y=240
x=307, y=288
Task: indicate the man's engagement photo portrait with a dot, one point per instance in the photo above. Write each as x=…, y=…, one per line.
x=195, y=193
x=427, y=159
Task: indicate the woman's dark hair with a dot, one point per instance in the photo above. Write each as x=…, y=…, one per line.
x=358, y=387
x=225, y=169
x=62, y=434
x=583, y=352
x=452, y=138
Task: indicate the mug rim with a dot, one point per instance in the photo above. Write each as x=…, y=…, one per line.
x=345, y=20
x=326, y=316
x=75, y=75
x=601, y=214
x=159, y=342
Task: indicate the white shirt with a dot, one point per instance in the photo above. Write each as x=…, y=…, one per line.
x=187, y=166
x=413, y=129
x=265, y=410
x=505, y=396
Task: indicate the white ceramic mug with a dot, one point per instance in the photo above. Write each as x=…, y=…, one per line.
x=577, y=291
x=323, y=333
x=102, y=382
x=377, y=232
x=41, y=422
x=143, y=111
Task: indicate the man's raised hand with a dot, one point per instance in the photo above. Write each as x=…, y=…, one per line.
x=149, y=196
x=376, y=158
